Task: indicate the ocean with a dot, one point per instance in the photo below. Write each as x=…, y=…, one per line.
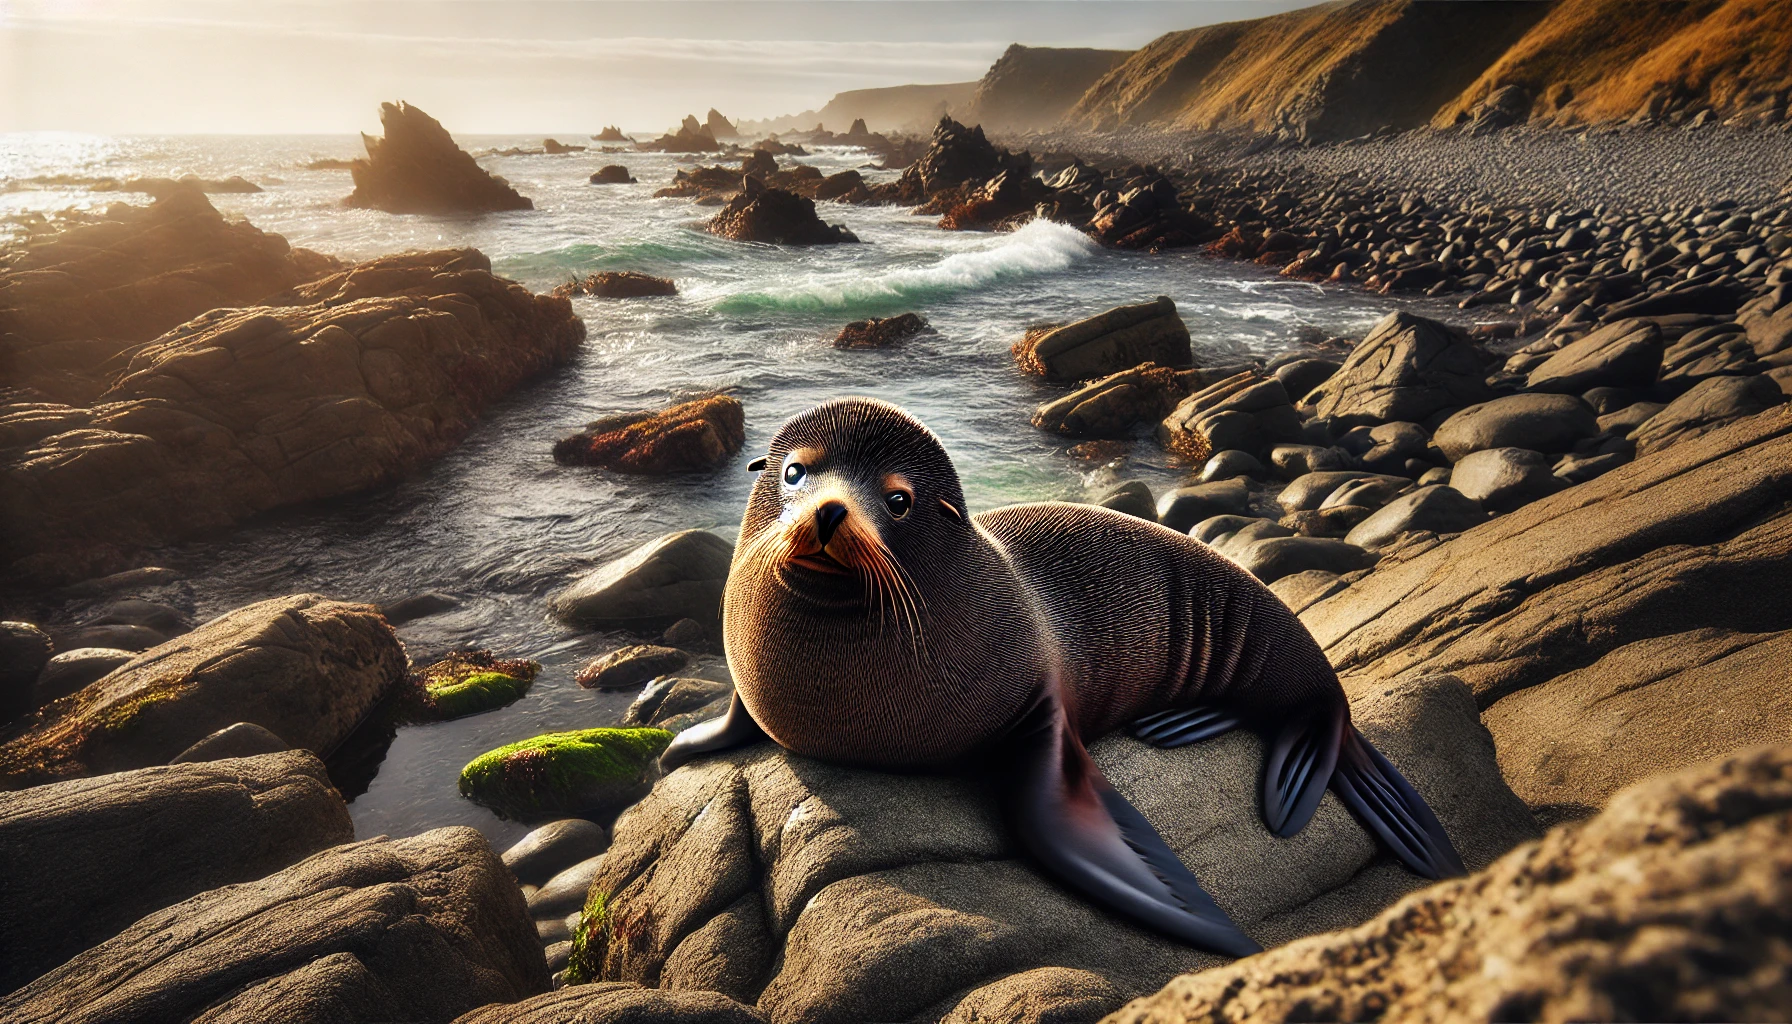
x=499, y=526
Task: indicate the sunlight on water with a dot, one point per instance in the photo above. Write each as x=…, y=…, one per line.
x=499, y=525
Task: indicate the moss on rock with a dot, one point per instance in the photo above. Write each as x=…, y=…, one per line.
x=583, y=773
x=466, y=683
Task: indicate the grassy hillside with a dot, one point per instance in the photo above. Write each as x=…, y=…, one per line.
x=1332, y=71
x=1595, y=60
x=1030, y=87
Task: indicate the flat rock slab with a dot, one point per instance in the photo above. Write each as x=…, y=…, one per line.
x=818, y=893
x=306, y=668
x=419, y=929
x=1672, y=904
x=80, y=860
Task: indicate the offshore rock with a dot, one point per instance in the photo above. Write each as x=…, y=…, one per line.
x=1119, y=339
x=619, y=284
x=417, y=168
x=678, y=576
x=776, y=217
x=1113, y=406
x=689, y=437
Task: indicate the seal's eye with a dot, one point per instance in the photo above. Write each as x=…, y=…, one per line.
x=898, y=502
x=793, y=473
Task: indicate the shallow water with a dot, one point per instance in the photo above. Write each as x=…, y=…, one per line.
x=498, y=525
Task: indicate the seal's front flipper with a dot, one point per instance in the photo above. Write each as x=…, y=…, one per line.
x=1301, y=758
x=1388, y=806
x=1087, y=835
x=1178, y=727
x=734, y=729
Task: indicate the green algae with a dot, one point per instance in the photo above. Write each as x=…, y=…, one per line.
x=581, y=773
x=589, y=940
x=467, y=683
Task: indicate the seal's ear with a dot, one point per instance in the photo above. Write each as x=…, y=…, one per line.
x=946, y=507
x=756, y=465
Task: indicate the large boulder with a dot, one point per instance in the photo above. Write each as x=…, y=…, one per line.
x=1670, y=905
x=24, y=651
x=1247, y=412
x=678, y=576
x=76, y=298
x=618, y=1002
x=824, y=894
x=348, y=382
x=776, y=217
x=417, y=168
x=1107, y=343
x=1707, y=406
x=306, y=668
x=1696, y=537
x=1114, y=405
x=1502, y=479
x=84, y=858
x=691, y=436
x=420, y=929
x=1438, y=508
x=1625, y=354
x=1407, y=369
x=1540, y=423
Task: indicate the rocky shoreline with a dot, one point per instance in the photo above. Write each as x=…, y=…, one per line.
x=1546, y=545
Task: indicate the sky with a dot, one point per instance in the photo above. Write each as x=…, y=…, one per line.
x=516, y=66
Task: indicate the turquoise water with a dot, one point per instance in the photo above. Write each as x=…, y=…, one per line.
x=498, y=525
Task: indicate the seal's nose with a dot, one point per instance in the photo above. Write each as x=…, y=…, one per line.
x=828, y=517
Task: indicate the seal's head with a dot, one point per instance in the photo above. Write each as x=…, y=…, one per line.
x=853, y=496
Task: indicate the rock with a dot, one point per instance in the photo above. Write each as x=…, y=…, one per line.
x=84, y=858
x=557, y=955
x=24, y=651
x=352, y=381
x=467, y=682
x=554, y=847
x=1540, y=423
x=845, y=896
x=686, y=635
x=664, y=701
x=880, y=333
x=1113, y=406
x=244, y=739
x=564, y=893
x=692, y=137
x=1503, y=479
x=1228, y=464
x=619, y=284
x=417, y=168
x=1301, y=589
x=1293, y=461
x=1407, y=369
x=114, y=636
x=552, y=931
x=1392, y=445
x=1185, y=506
x=1303, y=375
x=1119, y=339
x=164, y=619
x=956, y=156
x=417, y=606
x=423, y=928
x=1335, y=522
x=1043, y=995
x=584, y=773
x=1232, y=536
x=629, y=667
x=1605, y=401
x=1697, y=536
x=619, y=1003
x=1246, y=411
x=1438, y=509
x=303, y=667
x=676, y=577
x=1504, y=107
x=1132, y=498
x=776, y=217
x=612, y=174
x=1147, y=214
x=1625, y=354
x=1708, y=405
x=1309, y=491
x=1662, y=908
x=690, y=437
x=1369, y=492
x=70, y=671
x=554, y=147
x=1271, y=559
x=1577, y=469
x=1721, y=350
x=1627, y=419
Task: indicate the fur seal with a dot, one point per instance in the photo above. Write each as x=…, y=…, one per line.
x=869, y=620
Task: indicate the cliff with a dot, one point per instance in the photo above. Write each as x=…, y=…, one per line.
x=1596, y=60
x=898, y=107
x=1333, y=71
x=1030, y=87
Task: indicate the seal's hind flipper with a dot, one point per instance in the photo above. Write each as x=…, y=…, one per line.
x=1179, y=727
x=1388, y=806
x=736, y=728
x=1300, y=763
x=1094, y=841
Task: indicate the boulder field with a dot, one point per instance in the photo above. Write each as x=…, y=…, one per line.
x=294, y=387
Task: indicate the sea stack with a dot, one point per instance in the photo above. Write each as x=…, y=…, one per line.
x=417, y=168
